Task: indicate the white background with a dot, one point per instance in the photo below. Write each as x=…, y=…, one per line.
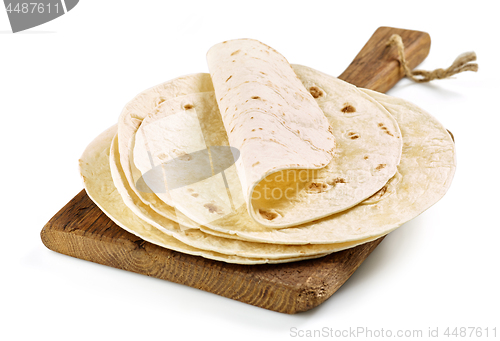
x=64, y=82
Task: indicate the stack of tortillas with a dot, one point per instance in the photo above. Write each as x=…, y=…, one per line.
x=261, y=161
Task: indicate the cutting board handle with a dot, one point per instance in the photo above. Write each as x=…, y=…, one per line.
x=377, y=66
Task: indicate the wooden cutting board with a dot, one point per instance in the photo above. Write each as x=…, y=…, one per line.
x=81, y=230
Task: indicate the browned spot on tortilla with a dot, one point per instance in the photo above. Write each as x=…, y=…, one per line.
x=353, y=135
x=188, y=106
x=253, y=129
x=298, y=94
x=316, y=92
x=317, y=187
x=212, y=208
x=162, y=156
x=263, y=73
x=337, y=181
x=229, y=78
x=377, y=196
x=366, y=157
x=235, y=52
x=255, y=164
x=161, y=100
x=382, y=191
x=260, y=128
x=190, y=190
x=255, y=97
x=276, y=141
x=251, y=118
x=232, y=129
x=224, y=42
x=384, y=128
x=184, y=157
x=195, y=195
x=268, y=215
x=348, y=108
x=380, y=166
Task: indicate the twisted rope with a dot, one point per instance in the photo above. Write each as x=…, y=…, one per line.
x=461, y=64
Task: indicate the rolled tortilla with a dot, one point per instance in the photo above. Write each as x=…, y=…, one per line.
x=283, y=137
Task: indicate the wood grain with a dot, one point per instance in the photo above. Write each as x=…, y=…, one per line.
x=81, y=230
x=377, y=67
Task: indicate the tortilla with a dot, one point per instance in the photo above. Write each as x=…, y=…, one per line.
x=210, y=209
x=289, y=167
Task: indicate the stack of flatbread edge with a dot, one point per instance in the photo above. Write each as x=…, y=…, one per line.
x=260, y=161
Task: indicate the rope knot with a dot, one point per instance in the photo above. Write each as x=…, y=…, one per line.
x=462, y=63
